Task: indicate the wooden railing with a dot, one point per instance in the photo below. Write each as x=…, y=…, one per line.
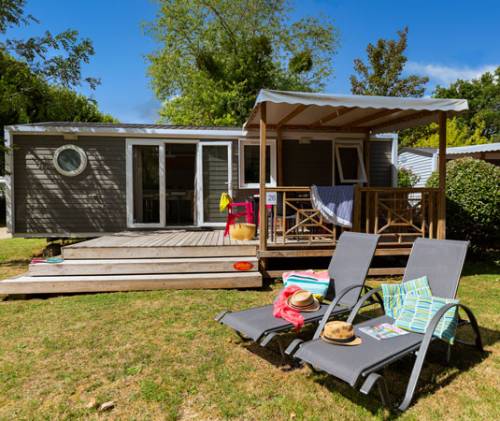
x=294, y=221
x=399, y=215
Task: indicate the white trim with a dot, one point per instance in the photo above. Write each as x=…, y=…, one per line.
x=129, y=175
x=199, y=180
x=130, y=142
x=358, y=145
x=72, y=173
x=393, y=138
x=9, y=182
x=124, y=131
x=394, y=159
x=241, y=163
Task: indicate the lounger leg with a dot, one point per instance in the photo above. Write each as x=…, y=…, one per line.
x=371, y=380
x=243, y=338
x=268, y=338
x=422, y=352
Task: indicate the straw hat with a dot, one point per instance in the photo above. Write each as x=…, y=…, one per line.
x=303, y=301
x=340, y=333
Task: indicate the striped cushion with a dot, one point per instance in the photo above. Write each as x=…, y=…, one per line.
x=394, y=294
x=417, y=313
x=316, y=283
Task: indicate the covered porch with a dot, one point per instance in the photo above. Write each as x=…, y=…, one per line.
x=291, y=226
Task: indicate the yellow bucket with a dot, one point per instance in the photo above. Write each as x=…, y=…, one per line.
x=242, y=231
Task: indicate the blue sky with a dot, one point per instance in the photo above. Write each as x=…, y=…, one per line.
x=448, y=39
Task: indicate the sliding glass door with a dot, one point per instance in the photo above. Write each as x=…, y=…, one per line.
x=214, y=168
x=146, y=184
x=176, y=183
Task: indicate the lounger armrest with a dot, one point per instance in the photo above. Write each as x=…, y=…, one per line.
x=361, y=302
x=331, y=307
x=424, y=346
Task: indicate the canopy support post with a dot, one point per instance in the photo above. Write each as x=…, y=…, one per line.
x=262, y=179
x=441, y=225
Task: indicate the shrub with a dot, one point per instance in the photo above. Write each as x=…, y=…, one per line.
x=472, y=201
x=407, y=178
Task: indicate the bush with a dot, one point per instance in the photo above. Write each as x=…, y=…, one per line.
x=407, y=178
x=472, y=201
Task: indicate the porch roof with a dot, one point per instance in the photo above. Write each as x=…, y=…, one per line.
x=349, y=113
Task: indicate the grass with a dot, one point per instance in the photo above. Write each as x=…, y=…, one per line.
x=20, y=249
x=159, y=355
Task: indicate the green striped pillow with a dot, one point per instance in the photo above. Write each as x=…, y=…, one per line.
x=417, y=313
x=394, y=294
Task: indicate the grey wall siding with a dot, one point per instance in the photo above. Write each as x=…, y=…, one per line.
x=380, y=163
x=419, y=164
x=48, y=202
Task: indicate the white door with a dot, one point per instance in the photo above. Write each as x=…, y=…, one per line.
x=214, y=174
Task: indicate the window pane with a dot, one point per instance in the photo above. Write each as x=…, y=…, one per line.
x=350, y=163
x=215, y=181
x=251, y=163
x=146, y=184
x=69, y=160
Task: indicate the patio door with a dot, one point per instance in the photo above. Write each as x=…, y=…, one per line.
x=214, y=177
x=145, y=185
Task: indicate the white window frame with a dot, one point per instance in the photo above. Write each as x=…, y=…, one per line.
x=241, y=162
x=77, y=171
x=351, y=144
x=200, y=217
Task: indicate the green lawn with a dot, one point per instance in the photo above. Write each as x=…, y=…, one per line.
x=159, y=355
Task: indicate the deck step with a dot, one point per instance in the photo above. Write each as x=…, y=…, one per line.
x=142, y=266
x=69, y=284
x=127, y=252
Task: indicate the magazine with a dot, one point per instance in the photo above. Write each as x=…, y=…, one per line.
x=383, y=331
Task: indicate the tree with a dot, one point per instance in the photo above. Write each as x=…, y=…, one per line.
x=407, y=178
x=457, y=134
x=382, y=75
x=481, y=124
x=57, y=58
x=483, y=95
x=216, y=55
x=25, y=97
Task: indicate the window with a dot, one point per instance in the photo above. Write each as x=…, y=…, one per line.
x=70, y=160
x=349, y=160
x=249, y=158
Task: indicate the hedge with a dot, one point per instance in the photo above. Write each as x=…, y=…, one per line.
x=472, y=201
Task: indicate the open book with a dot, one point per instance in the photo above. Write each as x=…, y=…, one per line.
x=383, y=331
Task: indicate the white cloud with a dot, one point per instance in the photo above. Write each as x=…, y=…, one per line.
x=446, y=74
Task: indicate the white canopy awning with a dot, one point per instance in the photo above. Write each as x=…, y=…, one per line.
x=376, y=114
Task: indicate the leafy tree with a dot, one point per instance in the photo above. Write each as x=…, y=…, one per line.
x=57, y=58
x=216, y=55
x=483, y=95
x=25, y=97
x=36, y=74
x=457, y=134
x=383, y=73
x=407, y=178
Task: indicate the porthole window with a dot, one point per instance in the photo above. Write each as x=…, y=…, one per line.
x=70, y=160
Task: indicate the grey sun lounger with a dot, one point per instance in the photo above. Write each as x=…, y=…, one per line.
x=348, y=269
x=359, y=366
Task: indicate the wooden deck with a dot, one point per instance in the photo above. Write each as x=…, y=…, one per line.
x=134, y=261
x=161, y=244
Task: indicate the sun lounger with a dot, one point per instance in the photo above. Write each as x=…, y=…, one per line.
x=359, y=366
x=348, y=269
